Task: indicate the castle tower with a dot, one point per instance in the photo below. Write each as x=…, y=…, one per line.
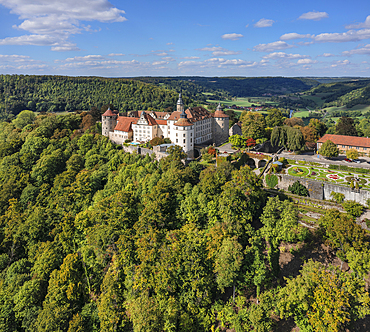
x=184, y=133
x=180, y=104
x=220, y=126
x=109, y=122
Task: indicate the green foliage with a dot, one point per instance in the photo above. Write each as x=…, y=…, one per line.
x=290, y=138
x=323, y=298
x=238, y=141
x=271, y=180
x=329, y=149
x=353, y=208
x=298, y=188
x=352, y=154
x=345, y=126
x=253, y=125
x=338, y=197
x=24, y=118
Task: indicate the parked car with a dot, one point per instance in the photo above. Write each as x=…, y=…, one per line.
x=356, y=161
x=348, y=160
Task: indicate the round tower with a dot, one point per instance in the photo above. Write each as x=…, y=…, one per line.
x=109, y=122
x=221, y=126
x=180, y=104
x=184, y=134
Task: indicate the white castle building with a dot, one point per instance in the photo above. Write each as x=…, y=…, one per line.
x=185, y=128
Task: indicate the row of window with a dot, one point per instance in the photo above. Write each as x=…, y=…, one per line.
x=354, y=147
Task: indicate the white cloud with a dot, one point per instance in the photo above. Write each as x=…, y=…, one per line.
x=218, y=51
x=264, y=23
x=282, y=55
x=159, y=63
x=293, y=35
x=52, y=22
x=191, y=57
x=15, y=62
x=349, y=36
x=218, y=63
x=85, y=58
x=116, y=54
x=362, y=50
x=366, y=24
x=340, y=63
x=327, y=55
x=232, y=36
x=316, y=16
x=168, y=58
x=306, y=61
x=270, y=47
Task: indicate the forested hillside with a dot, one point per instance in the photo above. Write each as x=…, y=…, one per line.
x=235, y=86
x=96, y=239
x=62, y=93
x=344, y=93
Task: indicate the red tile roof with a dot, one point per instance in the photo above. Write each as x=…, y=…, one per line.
x=161, y=122
x=109, y=112
x=124, y=123
x=346, y=140
x=150, y=119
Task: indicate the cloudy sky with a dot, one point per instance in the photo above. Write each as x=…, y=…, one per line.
x=192, y=37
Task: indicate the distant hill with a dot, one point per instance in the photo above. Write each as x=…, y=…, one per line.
x=346, y=94
x=224, y=87
x=63, y=93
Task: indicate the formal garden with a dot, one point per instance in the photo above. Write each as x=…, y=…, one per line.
x=336, y=176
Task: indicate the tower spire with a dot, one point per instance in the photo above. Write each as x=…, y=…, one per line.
x=180, y=104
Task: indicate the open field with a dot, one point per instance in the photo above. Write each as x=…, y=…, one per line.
x=244, y=101
x=301, y=114
x=362, y=108
x=317, y=99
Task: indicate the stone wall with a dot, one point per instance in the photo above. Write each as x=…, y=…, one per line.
x=322, y=190
x=144, y=151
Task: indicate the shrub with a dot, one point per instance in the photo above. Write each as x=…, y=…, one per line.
x=271, y=180
x=298, y=189
x=353, y=208
x=338, y=197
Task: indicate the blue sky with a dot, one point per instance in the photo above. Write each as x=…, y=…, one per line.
x=194, y=37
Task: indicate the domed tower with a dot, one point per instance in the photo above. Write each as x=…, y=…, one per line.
x=184, y=133
x=109, y=122
x=180, y=104
x=220, y=126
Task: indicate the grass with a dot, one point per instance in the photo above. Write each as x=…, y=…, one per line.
x=243, y=102
x=301, y=114
x=317, y=99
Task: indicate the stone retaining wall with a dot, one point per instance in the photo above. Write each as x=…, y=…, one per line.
x=322, y=190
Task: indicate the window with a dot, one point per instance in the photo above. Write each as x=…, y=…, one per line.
x=183, y=135
x=177, y=140
x=176, y=128
x=176, y=134
x=191, y=140
x=343, y=146
x=191, y=134
x=184, y=141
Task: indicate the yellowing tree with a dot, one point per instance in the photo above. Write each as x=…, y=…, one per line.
x=352, y=154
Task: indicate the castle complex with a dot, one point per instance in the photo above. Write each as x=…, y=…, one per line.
x=185, y=128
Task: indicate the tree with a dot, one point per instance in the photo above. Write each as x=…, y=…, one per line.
x=309, y=133
x=323, y=298
x=274, y=118
x=352, y=154
x=329, y=149
x=24, y=118
x=250, y=143
x=298, y=189
x=253, y=124
x=292, y=122
x=341, y=232
x=238, y=141
x=345, y=126
x=319, y=126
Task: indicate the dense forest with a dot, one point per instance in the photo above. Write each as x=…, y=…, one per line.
x=344, y=93
x=239, y=86
x=96, y=239
x=62, y=93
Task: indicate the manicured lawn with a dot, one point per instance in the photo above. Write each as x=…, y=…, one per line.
x=323, y=174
